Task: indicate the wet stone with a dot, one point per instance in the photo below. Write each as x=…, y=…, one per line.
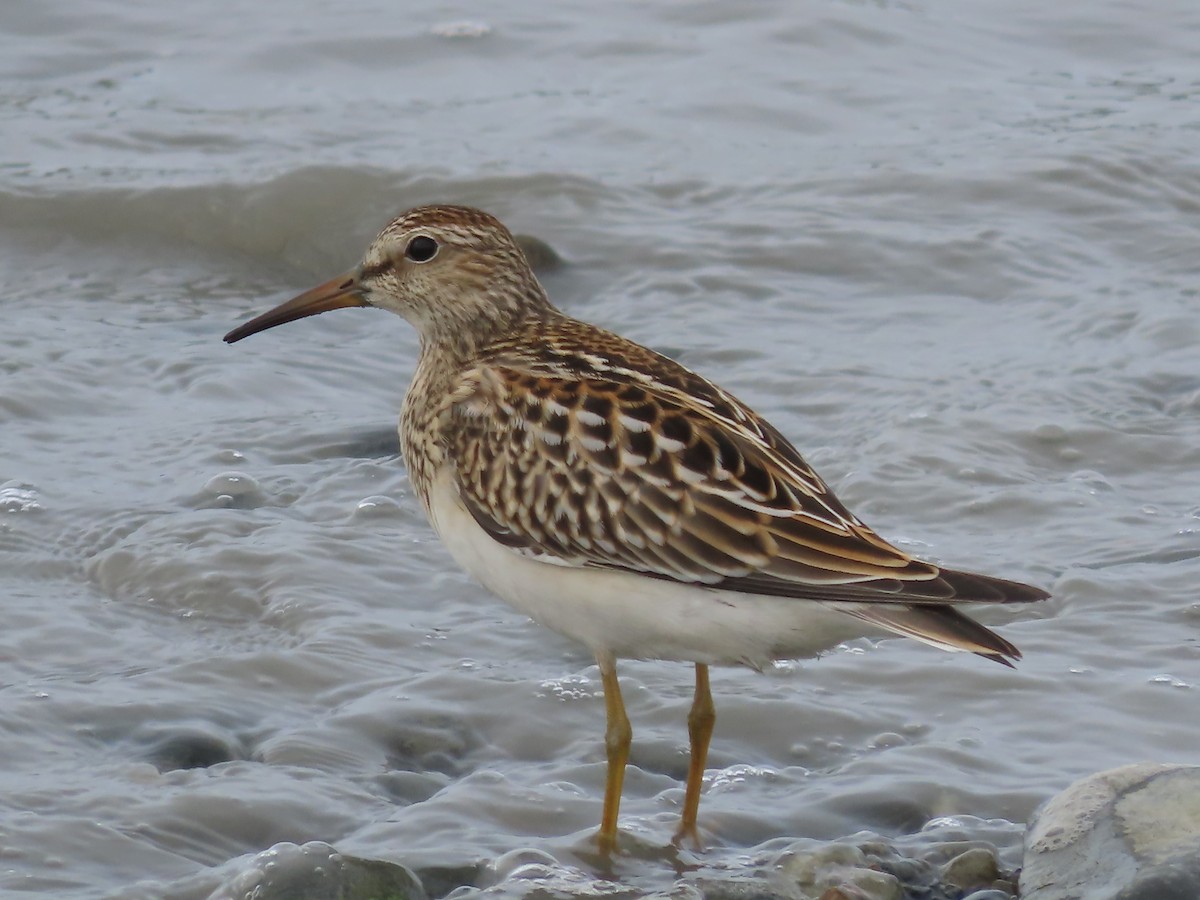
x=316, y=871
x=1131, y=833
x=438, y=881
x=1177, y=881
x=806, y=868
x=878, y=869
x=743, y=889
x=976, y=868
x=841, y=893
x=871, y=885
x=428, y=743
x=910, y=872
x=190, y=748
x=841, y=867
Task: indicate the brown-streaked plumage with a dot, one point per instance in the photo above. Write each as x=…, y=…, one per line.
x=619, y=498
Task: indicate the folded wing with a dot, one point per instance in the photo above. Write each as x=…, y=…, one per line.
x=588, y=462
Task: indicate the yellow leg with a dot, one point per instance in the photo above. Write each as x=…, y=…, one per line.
x=701, y=719
x=617, y=738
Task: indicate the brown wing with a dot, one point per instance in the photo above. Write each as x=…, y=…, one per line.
x=640, y=475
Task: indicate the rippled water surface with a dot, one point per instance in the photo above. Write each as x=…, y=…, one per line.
x=948, y=248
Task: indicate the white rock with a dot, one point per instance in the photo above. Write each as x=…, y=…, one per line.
x=1132, y=833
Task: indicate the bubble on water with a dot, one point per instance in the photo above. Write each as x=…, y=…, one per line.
x=569, y=687
x=231, y=485
x=734, y=776
x=17, y=497
x=377, y=505
x=886, y=741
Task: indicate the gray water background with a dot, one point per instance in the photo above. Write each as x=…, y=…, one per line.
x=949, y=248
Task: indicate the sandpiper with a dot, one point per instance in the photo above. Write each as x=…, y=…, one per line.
x=618, y=498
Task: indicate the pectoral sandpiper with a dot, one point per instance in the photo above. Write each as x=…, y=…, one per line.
x=617, y=497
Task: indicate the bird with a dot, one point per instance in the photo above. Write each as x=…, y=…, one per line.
x=618, y=498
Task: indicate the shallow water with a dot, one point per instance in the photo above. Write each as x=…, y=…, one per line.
x=949, y=249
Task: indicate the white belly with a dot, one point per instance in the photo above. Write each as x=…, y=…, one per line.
x=633, y=616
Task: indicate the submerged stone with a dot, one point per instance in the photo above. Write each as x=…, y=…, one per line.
x=1131, y=833
x=316, y=871
x=976, y=867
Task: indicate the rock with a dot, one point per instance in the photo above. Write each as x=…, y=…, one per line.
x=867, y=867
x=316, y=871
x=1131, y=833
x=839, y=872
x=739, y=889
x=868, y=884
x=806, y=868
x=975, y=868
x=838, y=893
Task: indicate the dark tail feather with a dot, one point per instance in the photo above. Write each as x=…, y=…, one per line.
x=968, y=586
x=941, y=626
x=950, y=588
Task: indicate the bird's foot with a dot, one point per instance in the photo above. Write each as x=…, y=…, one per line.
x=688, y=837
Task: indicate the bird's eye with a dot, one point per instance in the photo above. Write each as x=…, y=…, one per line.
x=421, y=249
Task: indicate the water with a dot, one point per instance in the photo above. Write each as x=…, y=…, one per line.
x=949, y=249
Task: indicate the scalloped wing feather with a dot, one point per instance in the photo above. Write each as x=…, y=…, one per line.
x=593, y=458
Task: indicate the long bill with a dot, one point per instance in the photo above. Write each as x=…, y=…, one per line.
x=336, y=293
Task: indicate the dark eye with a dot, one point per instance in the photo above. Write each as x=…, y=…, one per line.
x=421, y=248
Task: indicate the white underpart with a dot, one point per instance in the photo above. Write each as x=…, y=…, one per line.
x=623, y=614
